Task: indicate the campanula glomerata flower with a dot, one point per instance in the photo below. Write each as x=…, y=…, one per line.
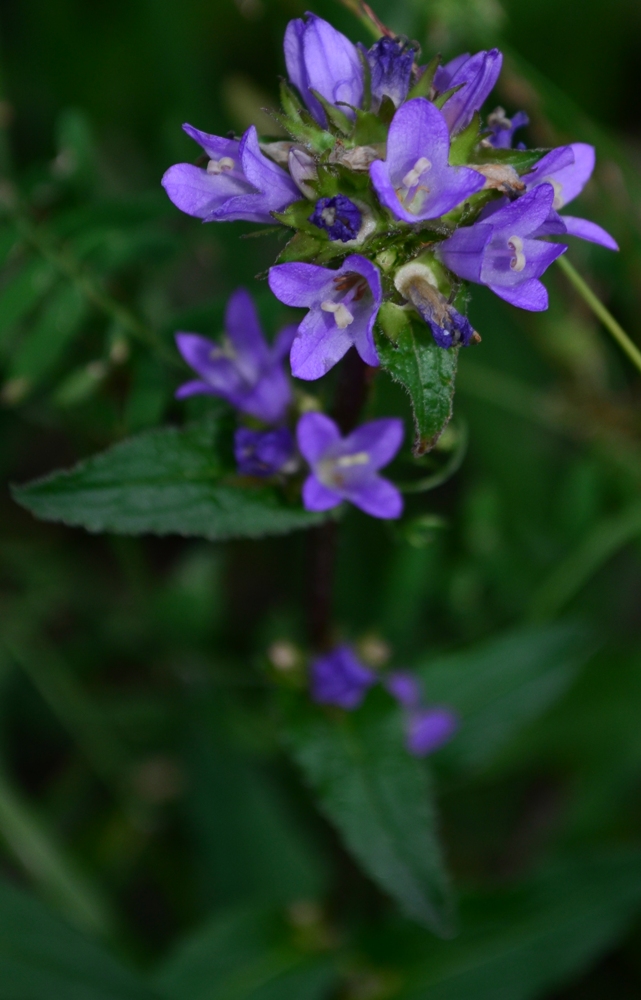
x=347, y=468
x=318, y=57
x=338, y=216
x=238, y=182
x=390, y=63
x=339, y=678
x=415, y=181
x=264, y=453
x=342, y=305
x=243, y=369
x=427, y=729
x=502, y=251
x=475, y=77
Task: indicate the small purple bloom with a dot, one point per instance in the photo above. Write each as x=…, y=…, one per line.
x=428, y=729
x=243, y=369
x=318, y=57
x=390, y=62
x=339, y=678
x=415, y=182
x=338, y=216
x=503, y=128
x=568, y=169
x=475, y=76
x=347, y=468
x=342, y=307
x=264, y=453
x=404, y=687
x=239, y=182
x=502, y=251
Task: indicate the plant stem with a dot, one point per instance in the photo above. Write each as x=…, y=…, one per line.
x=366, y=16
x=601, y=312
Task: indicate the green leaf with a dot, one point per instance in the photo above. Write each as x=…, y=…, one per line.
x=369, y=128
x=521, y=942
x=427, y=372
x=300, y=125
x=41, y=958
x=47, y=340
x=22, y=292
x=380, y=798
x=464, y=143
x=423, y=85
x=521, y=159
x=244, y=954
x=500, y=686
x=162, y=482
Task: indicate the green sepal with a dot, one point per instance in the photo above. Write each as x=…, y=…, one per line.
x=423, y=85
x=296, y=216
x=369, y=129
x=335, y=116
x=300, y=125
x=302, y=246
x=408, y=352
x=465, y=142
x=521, y=159
x=445, y=96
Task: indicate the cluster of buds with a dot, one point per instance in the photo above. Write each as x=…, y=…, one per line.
x=394, y=191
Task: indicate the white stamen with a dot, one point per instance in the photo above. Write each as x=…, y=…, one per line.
x=515, y=243
x=413, y=176
x=558, y=202
x=328, y=215
x=219, y=166
x=358, y=458
x=342, y=315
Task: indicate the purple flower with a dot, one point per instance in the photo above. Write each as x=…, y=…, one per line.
x=568, y=169
x=503, y=128
x=239, y=182
x=342, y=309
x=338, y=216
x=339, y=678
x=415, y=182
x=404, y=687
x=264, y=453
x=390, y=62
x=417, y=283
x=244, y=369
x=318, y=57
x=346, y=468
x=501, y=250
x=427, y=729
x=475, y=76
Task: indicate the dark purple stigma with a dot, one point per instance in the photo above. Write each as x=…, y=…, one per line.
x=338, y=216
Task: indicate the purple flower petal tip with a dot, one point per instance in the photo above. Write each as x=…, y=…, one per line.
x=429, y=729
x=405, y=687
x=339, y=678
x=475, y=76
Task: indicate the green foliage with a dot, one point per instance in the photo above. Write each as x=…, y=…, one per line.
x=162, y=482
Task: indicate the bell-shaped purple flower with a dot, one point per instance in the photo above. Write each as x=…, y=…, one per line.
x=347, y=468
x=339, y=678
x=405, y=687
x=243, y=369
x=318, y=57
x=502, y=129
x=502, y=250
x=415, y=182
x=390, y=62
x=342, y=309
x=475, y=77
x=427, y=729
x=338, y=216
x=264, y=453
x=416, y=282
x=239, y=181
x=568, y=169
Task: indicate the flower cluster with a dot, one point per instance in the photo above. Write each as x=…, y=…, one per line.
x=394, y=191
x=339, y=678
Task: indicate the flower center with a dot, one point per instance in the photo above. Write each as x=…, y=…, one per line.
x=220, y=166
x=332, y=472
x=342, y=316
x=358, y=458
x=517, y=262
x=413, y=176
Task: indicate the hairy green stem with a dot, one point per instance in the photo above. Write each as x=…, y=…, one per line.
x=601, y=312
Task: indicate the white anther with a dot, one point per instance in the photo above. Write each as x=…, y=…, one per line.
x=358, y=458
x=328, y=215
x=558, y=202
x=342, y=315
x=515, y=243
x=220, y=166
x=413, y=176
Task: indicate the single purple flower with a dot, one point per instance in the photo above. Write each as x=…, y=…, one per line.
x=502, y=129
x=347, y=468
x=339, y=678
x=390, y=62
x=404, y=687
x=502, y=251
x=239, y=182
x=243, y=369
x=475, y=76
x=342, y=309
x=264, y=453
x=318, y=57
x=428, y=729
x=415, y=182
x=568, y=169
x=417, y=283
x=338, y=216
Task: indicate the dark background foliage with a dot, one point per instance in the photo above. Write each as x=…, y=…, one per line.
x=143, y=785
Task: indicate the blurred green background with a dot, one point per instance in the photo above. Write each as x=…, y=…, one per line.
x=143, y=787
